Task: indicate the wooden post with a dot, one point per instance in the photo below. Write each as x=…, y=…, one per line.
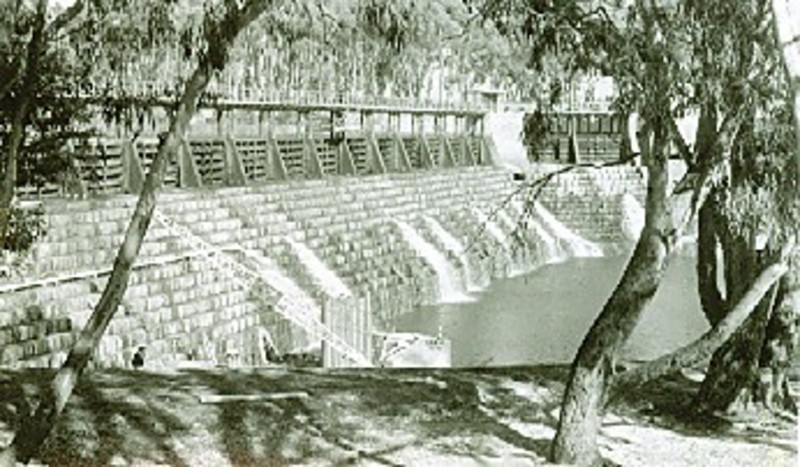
x=425, y=152
x=234, y=169
x=464, y=148
x=326, y=350
x=220, y=123
x=403, y=161
x=368, y=326
x=376, y=161
x=132, y=171
x=311, y=160
x=189, y=175
x=346, y=164
x=488, y=150
x=449, y=158
x=277, y=167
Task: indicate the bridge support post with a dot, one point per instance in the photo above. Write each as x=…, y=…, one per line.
x=327, y=355
x=275, y=163
x=132, y=171
x=189, y=177
x=403, y=161
x=425, y=152
x=234, y=169
x=346, y=164
x=488, y=150
x=449, y=158
x=311, y=160
x=466, y=154
x=376, y=161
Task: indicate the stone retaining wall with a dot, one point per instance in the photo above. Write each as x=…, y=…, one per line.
x=179, y=306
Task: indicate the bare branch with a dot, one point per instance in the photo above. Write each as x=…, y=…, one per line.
x=65, y=17
x=536, y=187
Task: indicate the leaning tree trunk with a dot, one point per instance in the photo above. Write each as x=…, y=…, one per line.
x=582, y=407
x=34, y=430
x=702, y=348
x=9, y=182
x=734, y=367
x=751, y=366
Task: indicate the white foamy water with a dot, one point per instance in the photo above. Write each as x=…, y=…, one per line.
x=577, y=245
x=506, y=219
x=492, y=228
x=324, y=277
x=450, y=288
x=553, y=253
x=632, y=221
x=456, y=247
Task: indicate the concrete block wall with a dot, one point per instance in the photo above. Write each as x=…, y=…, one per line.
x=589, y=200
x=178, y=306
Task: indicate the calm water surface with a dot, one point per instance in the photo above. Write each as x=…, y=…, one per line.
x=542, y=317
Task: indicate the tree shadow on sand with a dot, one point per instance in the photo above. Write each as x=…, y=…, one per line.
x=120, y=417
x=668, y=403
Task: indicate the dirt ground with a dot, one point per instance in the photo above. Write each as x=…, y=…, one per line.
x=499, y=416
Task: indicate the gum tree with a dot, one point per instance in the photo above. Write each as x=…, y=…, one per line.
x=36, y=116
x=221, y=24
x=655, y=52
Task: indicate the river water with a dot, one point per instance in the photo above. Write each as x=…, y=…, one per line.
x=542, y=317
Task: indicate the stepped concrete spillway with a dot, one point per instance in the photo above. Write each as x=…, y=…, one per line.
x=295, y=234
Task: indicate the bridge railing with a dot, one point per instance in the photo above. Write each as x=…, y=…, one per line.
x=163, y=91
x=109, y=166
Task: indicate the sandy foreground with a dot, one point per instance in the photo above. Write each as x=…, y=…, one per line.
x=274, y=417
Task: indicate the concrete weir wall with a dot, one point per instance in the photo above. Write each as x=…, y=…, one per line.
x=341, y=244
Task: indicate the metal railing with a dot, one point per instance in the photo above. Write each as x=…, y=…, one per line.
x=294, y=308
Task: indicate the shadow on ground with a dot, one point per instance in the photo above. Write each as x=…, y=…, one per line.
x=388, y=417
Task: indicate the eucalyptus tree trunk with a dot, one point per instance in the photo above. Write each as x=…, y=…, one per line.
x=583, y=404
x=35, y=49
x=749, y=371
x=34, y=430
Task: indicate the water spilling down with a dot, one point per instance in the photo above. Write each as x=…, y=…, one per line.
x=492, y=228
x=455, y=246
x=574, y=243
x=451, y=289
x=324, y=276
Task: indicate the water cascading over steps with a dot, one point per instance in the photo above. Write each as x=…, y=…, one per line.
x=552, y=252
x=492, y=228
x=294, y=303
x=450, y=288
x=325, y=278
x=455, y=246
x=574, y=243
